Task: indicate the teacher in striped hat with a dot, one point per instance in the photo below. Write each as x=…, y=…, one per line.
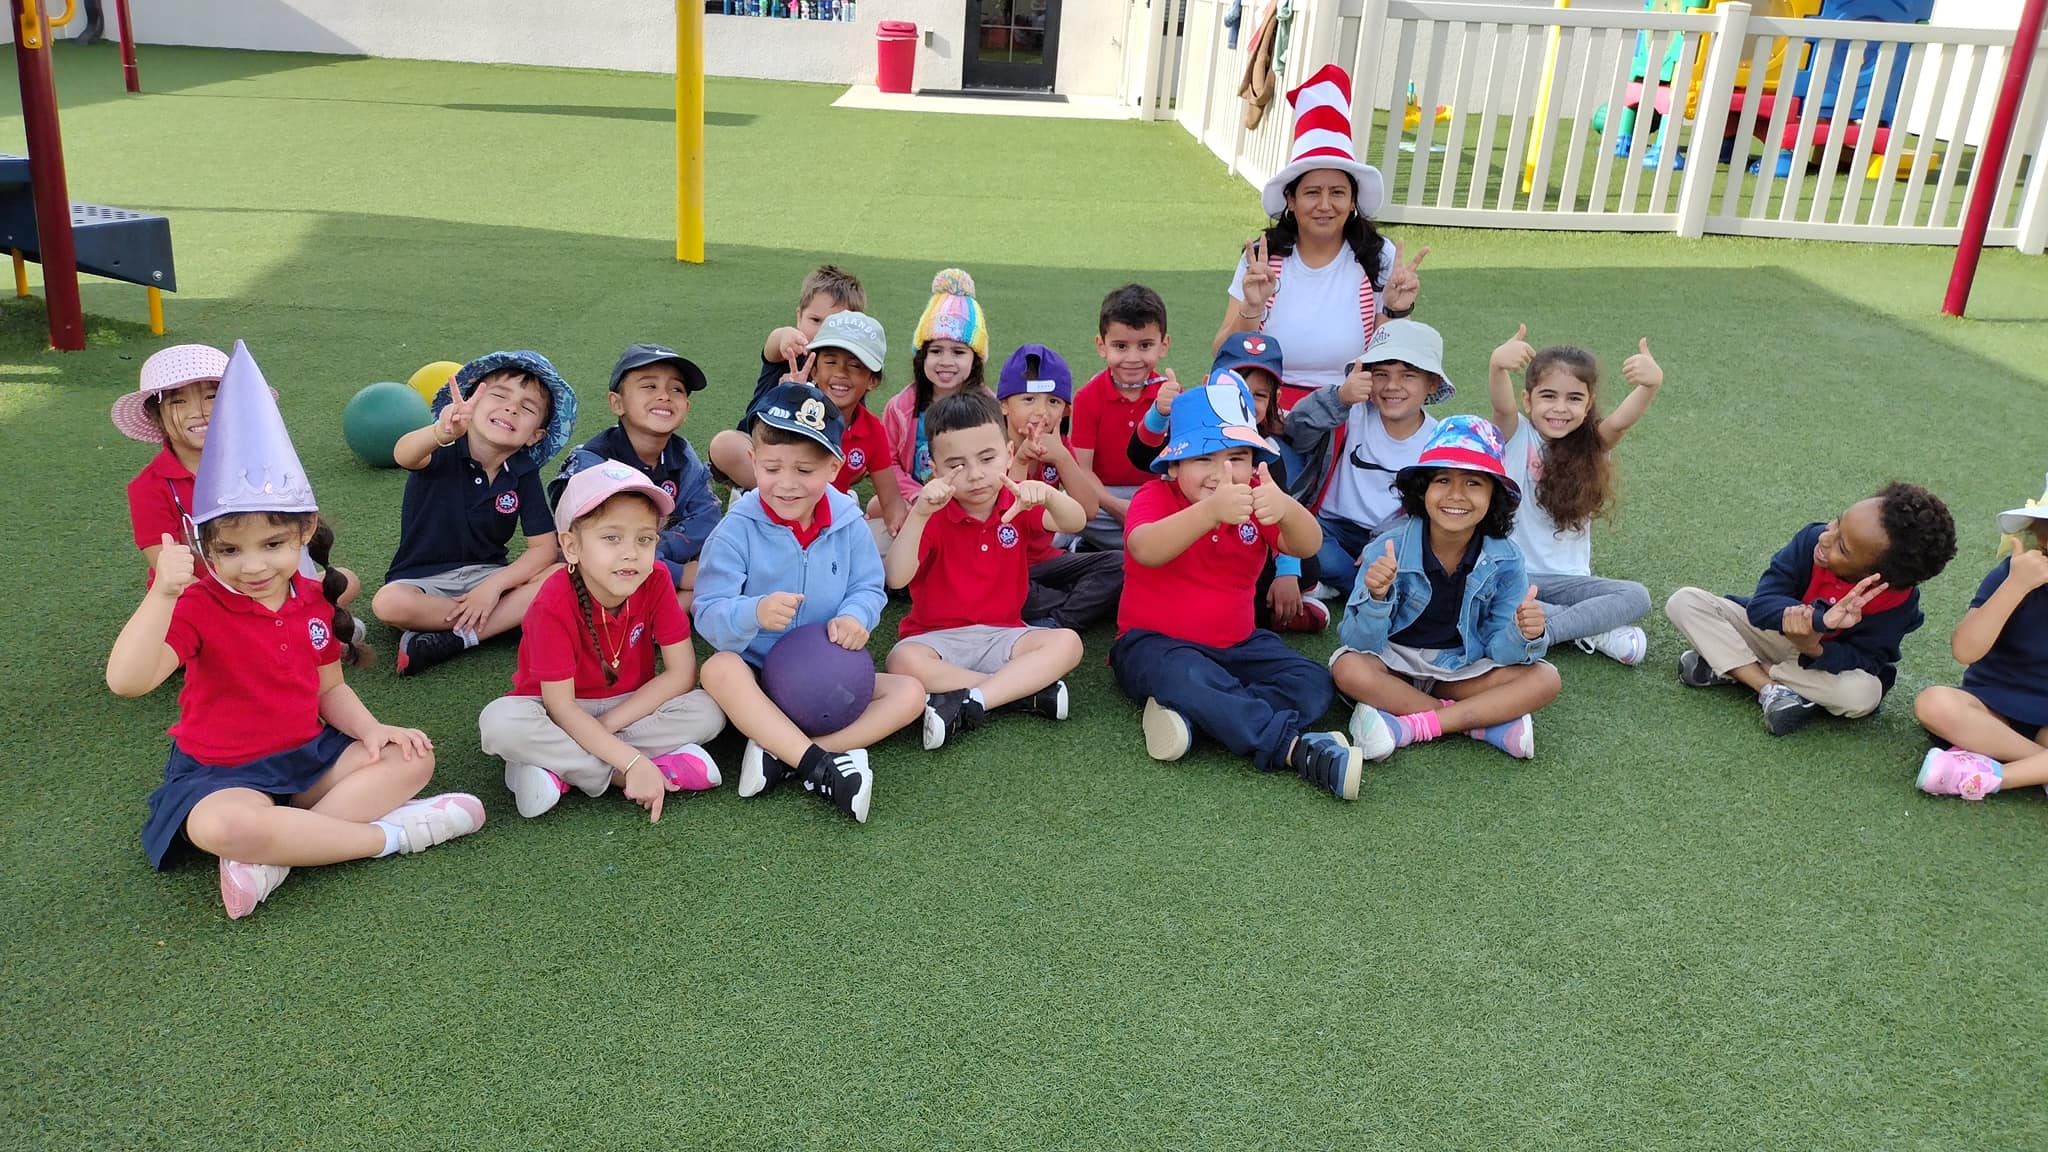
x=1321, y=278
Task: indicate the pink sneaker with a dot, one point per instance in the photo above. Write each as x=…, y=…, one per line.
x=435, y=820
x=244, y=886
x=1954, y=772
x=689, y=769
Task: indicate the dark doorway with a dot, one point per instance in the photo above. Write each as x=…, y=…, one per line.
x=1011, y=44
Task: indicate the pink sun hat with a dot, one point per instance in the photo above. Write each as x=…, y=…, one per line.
x=165, y=371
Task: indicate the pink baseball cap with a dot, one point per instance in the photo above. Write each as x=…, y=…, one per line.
x=593, y=486
x=167, y=370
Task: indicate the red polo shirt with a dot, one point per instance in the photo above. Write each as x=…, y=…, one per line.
x=555, y=644
x=1042, y=547
x=151, y=509
x=252, y=676
x=821, y=519
x=865, y=446
x=1104, y=420
x=972, y=571
x=1203, y=595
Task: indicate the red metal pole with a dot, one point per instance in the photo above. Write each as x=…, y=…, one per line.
x=128, y=72
x=1990, y=161
x=46, y=176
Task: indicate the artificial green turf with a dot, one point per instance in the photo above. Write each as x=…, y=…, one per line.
x=1669, y=931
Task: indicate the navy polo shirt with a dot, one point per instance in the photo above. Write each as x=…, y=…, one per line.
x=772, y=372
x=667, y=475
x=454, y=515
x=2009, y=679
x=1437, y=627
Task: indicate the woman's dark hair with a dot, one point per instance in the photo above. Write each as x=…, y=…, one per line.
x=1359, y=232
x=1921, y=532
x=332, y=583
x=1411, y=483
x=922, y=386
x=1578, y=478
x=961, y=411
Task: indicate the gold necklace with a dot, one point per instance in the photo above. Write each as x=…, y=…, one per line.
x=606, y=632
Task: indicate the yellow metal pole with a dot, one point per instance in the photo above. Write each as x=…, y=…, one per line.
x=20, y=273
x=156, y=311
x=1542, y=105
x=690, y=131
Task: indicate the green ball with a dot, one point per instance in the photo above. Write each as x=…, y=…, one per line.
x=377, y=416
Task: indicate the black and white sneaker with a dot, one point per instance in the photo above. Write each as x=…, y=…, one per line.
x=419, y=651
x=1695, y=672
x=1049, y=702
x=846, y=780
x=949, y=714
x=759, y=771
x=1785, y=711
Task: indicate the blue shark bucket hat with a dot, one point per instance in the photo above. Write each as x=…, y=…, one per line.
x=561, y=412
x=1213, y=418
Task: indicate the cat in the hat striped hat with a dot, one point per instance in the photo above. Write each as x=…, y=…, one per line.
x=1323, y=237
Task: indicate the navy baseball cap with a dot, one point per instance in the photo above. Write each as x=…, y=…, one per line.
x=1243, y=350
x=641, y=355
x=801, y=409
x=1038, y=370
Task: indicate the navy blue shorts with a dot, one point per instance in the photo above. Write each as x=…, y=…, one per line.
x=281, y=775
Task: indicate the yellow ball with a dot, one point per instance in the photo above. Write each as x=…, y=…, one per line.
x=428, y=380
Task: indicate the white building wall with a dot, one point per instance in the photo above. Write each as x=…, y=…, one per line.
x=627, y=35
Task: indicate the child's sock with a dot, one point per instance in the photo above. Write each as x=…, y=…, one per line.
x=469, y=637
x=391, y=837
x=1515, y=737
x=1414, y=728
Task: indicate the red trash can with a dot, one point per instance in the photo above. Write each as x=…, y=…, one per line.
x=895, y=55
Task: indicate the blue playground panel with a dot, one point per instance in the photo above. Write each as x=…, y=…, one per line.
x=114, y=243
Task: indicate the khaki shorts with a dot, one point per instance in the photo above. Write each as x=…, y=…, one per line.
x=454, y=582
x=979, y=648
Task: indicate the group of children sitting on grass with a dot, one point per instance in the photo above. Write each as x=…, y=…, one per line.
x=1017, y=516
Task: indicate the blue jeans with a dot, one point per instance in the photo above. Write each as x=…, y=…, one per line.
x=1253, y=698
x=1343, y=540
x=1579, y=606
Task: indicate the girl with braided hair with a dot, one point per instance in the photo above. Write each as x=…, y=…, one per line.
x=587, y=708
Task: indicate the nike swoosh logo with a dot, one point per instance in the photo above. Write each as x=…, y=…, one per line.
x=1358, y=461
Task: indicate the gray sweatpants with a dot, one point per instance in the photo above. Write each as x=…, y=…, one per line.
x=1581, y=606
x=518, y=729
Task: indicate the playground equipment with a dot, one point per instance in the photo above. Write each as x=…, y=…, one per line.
x=690, y=131
x=1854, y=118
x=429, y=379
x=38, y=220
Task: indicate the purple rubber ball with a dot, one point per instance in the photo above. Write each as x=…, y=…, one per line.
x=820, y=686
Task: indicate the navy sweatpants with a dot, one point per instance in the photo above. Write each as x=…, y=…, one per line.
x=1253, y=698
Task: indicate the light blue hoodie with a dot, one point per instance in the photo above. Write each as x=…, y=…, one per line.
x=750, y=556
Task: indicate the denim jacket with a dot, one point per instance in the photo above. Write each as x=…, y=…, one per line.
x=1493, y=590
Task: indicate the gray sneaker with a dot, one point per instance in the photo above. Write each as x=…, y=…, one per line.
x=1695, y=672
x=1785, y=711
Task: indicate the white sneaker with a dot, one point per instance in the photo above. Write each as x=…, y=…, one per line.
x=1327, y=594
x=535, y=790
x=244, y=886
x=435, y=820
x=1369, y=733
x=1167, y=736
x=1624, y=645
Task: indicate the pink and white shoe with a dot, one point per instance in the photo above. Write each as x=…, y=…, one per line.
x=435, y=820
x=535, y=790
x=1954, y=772
x=244, y=886
x=689, y=769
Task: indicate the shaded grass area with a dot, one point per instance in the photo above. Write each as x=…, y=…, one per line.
x=1669, y=931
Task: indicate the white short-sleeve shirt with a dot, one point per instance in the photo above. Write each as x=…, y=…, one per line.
x=1544, y=548
x=1315, y=315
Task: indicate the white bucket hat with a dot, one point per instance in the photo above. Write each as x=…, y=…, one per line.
x=2013, y=522
x=1416, y=343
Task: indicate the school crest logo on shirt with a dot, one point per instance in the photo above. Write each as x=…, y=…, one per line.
x=1248, y=532
x=1007, y=535
x=857, y=459
x=316, y=631
x=508, y=502
x=669, y=486
x=633, y=637
x=1049, y=474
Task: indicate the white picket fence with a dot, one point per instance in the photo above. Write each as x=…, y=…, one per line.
x=1518, y=146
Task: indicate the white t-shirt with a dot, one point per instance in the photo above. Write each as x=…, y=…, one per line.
x=1543, y=547
x=1315, y=316
x=1363, y=490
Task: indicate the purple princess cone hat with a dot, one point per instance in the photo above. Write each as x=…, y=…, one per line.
x=249, y=464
